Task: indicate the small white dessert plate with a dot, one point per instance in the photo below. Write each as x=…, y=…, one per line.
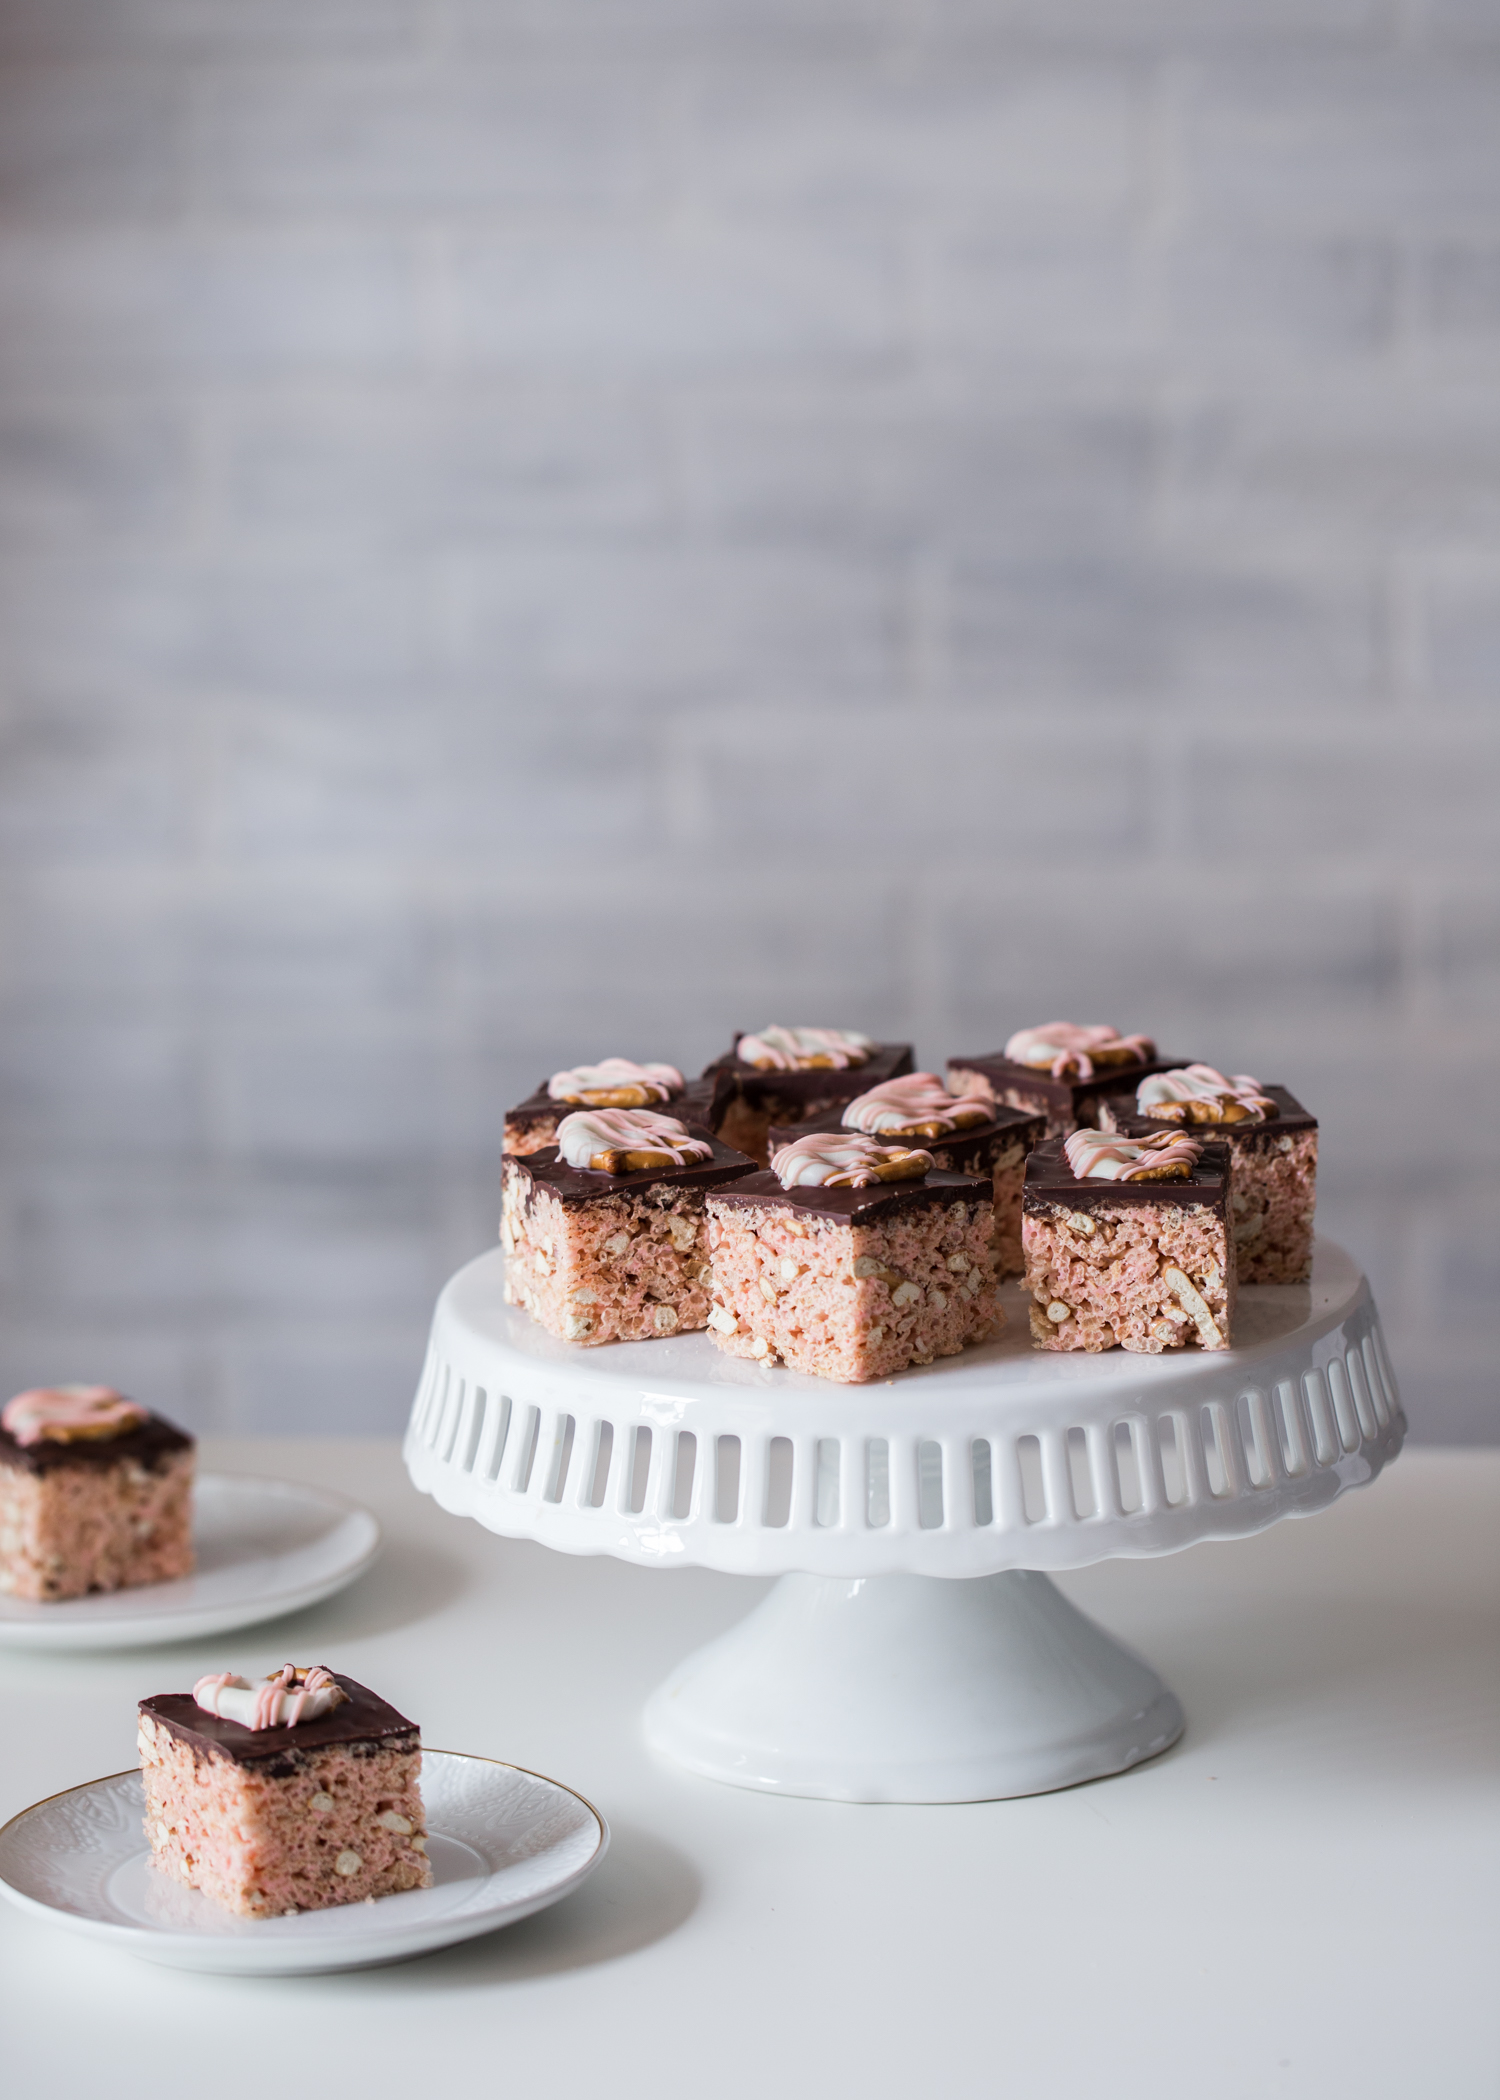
x=503, y=1843
x=265, y=1547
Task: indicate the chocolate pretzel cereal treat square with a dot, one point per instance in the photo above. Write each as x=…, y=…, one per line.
x=852, y=1260
x=1128, y=1243
x=96, y=1493
x=963, y=1135
x=615, y=1082
x=295, y=1794
x=603, y=1232
x=790, y=1076
x=1273, y=1142
x=1060, y=1071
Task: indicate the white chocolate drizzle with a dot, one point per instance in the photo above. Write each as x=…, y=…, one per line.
x=1202, y=1084
x=918, y=1105
x=601, y=1085
x=594, y=1133
x=1095, y=1155
x=805, y=1049
x=286, y=1697
x=825, y=1160
x=70, y=1414
x=1069, y=1051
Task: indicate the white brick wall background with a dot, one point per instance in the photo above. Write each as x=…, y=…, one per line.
x=541, y=527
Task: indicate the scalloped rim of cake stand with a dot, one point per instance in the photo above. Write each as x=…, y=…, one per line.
x=1045, y=1461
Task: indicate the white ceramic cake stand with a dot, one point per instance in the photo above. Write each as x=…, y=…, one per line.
x=869, y=1673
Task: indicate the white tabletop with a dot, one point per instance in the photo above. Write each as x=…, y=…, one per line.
x=1299, y=1899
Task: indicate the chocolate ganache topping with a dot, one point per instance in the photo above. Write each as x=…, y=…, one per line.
x=282, y=1748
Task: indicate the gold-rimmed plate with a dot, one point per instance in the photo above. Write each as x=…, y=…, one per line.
x=503, y=1843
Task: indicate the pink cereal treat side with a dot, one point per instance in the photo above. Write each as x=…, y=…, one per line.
x=1009, y=1174
x=1139, y=1276
x=347, y=1823
x=625, y=1267
x=76, y=1529
x=1273, y=1199
x=848, y=1301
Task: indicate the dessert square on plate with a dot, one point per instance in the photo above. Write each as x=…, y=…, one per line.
x=1060, y=1071
x=1128, y=1243
x=604, y=1232
x=852, y=1260
x=791, y=1075
x=96, y=1493
x=1274, y=1144
x=296, y=1794
x=963, y=1134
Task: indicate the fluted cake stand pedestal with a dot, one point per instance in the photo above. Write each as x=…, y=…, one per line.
x=914, y=1648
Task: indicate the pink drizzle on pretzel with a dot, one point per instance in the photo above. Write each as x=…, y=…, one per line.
x=288, y=1696
x=1204, y=1083
x=1067, y=1050
x=1094, y=1155
x=660, y=1082
x=589, y=1131
x=825, y=1160
x=796, y=1049
x=921, y=1097
x=69, y=1414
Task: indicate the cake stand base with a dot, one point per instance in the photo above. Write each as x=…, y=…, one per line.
x=912, y=1688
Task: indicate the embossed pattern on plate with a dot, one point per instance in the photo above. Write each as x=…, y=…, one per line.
x=504, y=1843
x=265, y=1547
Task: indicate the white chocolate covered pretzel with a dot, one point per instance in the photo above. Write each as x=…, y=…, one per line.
x=805, y=1049
x=1069, y=1051
x=286, y=1697
x=1201, y=1094
x=615, y=1082
x=1095, y=1155
x=627, y=1141
x=70, y=1414
x=826, y=1160
x=916, y=1106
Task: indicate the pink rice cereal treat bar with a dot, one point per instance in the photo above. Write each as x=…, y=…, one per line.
x=615, y=1082
x=96, y=1493
x=1059, y=1071
x=295, y=1794
x=604, y=1232
x=963, y=1135
x=1128, y=1243
x=852, y=1260
x=1273, y=1142
x=786, y=1075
